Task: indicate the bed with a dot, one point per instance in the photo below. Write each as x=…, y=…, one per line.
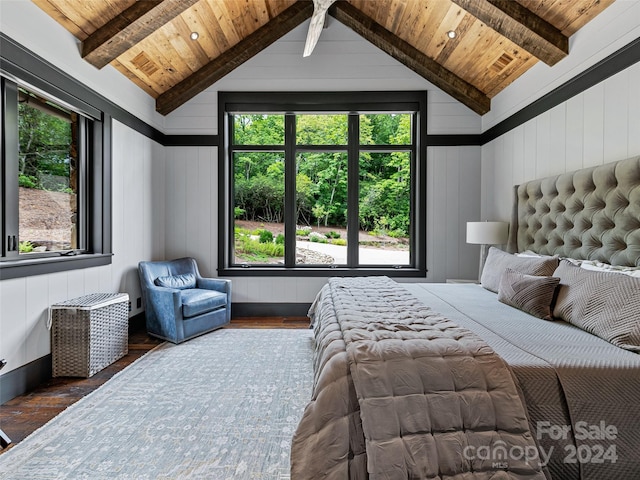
x=533, y=374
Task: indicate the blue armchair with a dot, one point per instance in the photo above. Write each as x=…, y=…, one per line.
x=179, y=303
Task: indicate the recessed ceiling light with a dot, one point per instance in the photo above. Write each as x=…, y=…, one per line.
x=451, y=34
x=194, y=35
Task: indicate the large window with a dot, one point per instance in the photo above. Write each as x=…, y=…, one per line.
x=52, y=195
x=322, y=182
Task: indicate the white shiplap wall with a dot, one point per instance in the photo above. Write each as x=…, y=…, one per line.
x=138, y=198
x=452, y=183
x=138, y=234
x=191, y=186
x=597, y=126
x=342, y=61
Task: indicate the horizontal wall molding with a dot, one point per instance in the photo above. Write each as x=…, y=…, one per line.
x=25, y=378
x=609, y=66
x=454, y=140
x=191, y=141
x=252, y=309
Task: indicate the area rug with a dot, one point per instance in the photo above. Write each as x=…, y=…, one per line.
x=221, y=406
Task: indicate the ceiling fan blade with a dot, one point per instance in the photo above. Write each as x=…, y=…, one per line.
x=320, y=8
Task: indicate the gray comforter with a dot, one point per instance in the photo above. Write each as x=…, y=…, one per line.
x=581, y=392
x=402, y=392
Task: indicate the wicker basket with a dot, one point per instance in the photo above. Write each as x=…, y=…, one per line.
x=89, y=333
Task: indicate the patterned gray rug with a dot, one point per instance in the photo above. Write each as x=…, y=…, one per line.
x=221, y=406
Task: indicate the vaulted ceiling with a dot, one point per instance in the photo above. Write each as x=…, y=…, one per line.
x=495, y=41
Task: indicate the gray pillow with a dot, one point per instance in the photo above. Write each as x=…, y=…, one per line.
x=180, y=282
x=529, y=293
x=602, y=303
x=497, y=261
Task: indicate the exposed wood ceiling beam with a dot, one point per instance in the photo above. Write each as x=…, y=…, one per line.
x=234, y=57
x=414, y=59
x=130, y=27
x=521, y=26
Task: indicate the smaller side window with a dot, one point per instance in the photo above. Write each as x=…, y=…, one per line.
x=49, y=156
x=55, y=170
x=53, y=150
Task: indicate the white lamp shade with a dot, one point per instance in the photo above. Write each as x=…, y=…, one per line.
x=487, y=233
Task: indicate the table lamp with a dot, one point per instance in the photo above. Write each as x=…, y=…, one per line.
x=486, y=234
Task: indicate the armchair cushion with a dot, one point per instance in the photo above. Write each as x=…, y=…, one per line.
x=196, y=301
x=181, y=282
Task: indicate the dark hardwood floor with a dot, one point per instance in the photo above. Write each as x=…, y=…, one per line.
x=22, y=415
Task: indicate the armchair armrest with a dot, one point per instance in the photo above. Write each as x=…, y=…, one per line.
x=218, y=284
x=166, y=304
x=166, y=300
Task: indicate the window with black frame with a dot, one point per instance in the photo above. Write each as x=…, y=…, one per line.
x=47, y=148
x=317, y=188
x=50, y=152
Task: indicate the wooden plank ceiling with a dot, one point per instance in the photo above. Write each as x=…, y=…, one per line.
x=496, y=41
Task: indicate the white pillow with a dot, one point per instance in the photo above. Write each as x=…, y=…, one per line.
x=527, y=253
x=605, y=267
x=597, y=266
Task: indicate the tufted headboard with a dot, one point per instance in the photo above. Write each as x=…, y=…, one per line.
x=593, y=214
